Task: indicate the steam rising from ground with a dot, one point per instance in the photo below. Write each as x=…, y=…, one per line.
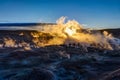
x=70, y=32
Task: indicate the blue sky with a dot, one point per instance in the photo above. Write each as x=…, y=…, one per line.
x=93, y=13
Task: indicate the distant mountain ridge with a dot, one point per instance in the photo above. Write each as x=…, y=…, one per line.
x=23, y=24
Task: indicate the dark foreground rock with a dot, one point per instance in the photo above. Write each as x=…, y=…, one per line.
x=28, y=74
x=59, y=63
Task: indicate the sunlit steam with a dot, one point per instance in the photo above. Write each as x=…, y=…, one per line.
x=8, y=42
x=70, y=32
x=73, y=32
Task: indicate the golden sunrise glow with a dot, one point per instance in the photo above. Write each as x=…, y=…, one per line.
x=70, y=31
x=67, y=33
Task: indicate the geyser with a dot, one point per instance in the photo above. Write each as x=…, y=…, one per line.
x=67, y=33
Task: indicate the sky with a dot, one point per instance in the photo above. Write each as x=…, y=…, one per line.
x=90, y=13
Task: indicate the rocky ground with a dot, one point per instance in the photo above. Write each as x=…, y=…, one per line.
x=59, y=63
x=56, y=62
